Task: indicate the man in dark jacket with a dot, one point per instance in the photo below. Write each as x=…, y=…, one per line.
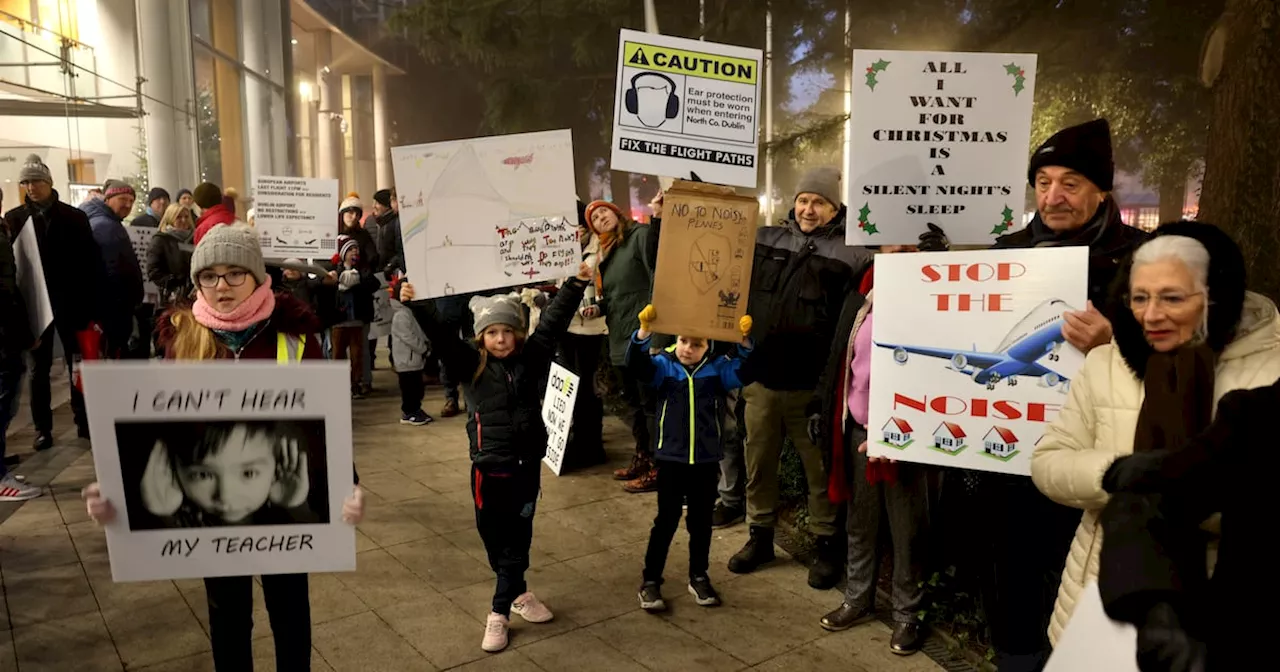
x=157, y=203
x=803, y=271
x=390, y=247
x=1020, y=561
x=123, y=292
x=74, y=276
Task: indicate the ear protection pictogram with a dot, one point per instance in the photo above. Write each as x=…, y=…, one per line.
x=633, y=97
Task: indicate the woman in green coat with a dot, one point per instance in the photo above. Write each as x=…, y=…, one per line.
x=624, y=283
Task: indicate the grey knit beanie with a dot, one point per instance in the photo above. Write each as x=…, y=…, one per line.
x=823, y=181
x=491, y=310
x=232, y=245
x=34, y=170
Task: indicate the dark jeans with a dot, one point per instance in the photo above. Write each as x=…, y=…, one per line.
x=505, y=503
x=41, y=394
x=465, y=331
x=411, y=391
x=679, y=483
x=231, y=620
x=581, y=355
x=641, y=412
x=11, y=370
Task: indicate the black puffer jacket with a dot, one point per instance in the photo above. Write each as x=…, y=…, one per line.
x=505, y=400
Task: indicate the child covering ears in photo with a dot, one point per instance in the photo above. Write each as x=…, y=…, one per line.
x=505, y=372
x=690, y=387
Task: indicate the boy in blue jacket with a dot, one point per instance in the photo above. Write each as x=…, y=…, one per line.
x=690, y=389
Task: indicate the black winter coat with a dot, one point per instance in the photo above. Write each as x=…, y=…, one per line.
x=123, y=292
x=169, y=264
x=390, y=247
x=505, y=400
x=15, y=333
x=73, y=266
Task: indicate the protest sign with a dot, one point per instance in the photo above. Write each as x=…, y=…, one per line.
x=487, y=213
x=703, y=275
x=1092, y=641
x=296, y=216
x=30, y=277
x=969, y=362
x=557, y=413
x=686, y=106
x=186, y=506
x=938, y=138
x=141, y=237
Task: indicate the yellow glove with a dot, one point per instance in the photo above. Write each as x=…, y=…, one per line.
x=647, y=316
x=744, y=325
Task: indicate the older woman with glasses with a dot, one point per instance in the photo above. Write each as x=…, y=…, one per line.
x=1186, y=332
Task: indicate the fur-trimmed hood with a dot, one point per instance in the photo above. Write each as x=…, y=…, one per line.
x=291, y=316
x=1233, y=312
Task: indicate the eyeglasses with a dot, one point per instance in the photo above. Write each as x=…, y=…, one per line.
x=209, y=279
x=1170, y=301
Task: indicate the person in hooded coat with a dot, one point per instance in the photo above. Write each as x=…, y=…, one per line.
x=123, y=292
x=1186, y=332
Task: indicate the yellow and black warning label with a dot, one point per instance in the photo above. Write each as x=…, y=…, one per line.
x=693, y=63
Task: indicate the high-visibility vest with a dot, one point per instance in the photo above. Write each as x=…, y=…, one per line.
x=289, y=348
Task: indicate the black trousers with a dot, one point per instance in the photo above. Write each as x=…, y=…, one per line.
x=231, y=621
x=41, y=394
x=450, y=379
x=505, y=503
x=679, y=483
x=581, y=354
x=411, y=391
x=641, y=412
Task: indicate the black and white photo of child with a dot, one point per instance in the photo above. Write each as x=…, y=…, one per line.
x=223, y=473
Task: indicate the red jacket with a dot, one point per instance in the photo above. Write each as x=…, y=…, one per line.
x=291, y=316
x=211, y=217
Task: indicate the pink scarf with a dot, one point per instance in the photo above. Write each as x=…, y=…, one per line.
x=255, y=309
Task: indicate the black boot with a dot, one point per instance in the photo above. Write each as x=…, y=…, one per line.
x=757, y=551
x=825, y=571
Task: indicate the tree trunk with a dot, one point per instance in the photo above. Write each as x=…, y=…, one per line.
x=1242, y=162
x=1173, y=196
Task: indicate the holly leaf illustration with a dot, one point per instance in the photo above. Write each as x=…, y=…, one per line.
x=1012, y=69
x=999, y=229
x=1008, y=214
x=1019, y=77
x=870, y=228
x=873, y=70
x=864, y=211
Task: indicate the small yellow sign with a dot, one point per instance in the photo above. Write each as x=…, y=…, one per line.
x=693, y=63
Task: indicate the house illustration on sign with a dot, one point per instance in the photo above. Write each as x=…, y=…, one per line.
x=949, y=437
x=897, y=433
x=1000, y=443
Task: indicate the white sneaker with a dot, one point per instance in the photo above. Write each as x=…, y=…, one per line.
x=495, y=633
x=14, y=490
x=531, y=609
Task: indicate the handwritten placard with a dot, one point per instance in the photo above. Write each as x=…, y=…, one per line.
x=557, y=413
x=538, y=247
x=222, y=469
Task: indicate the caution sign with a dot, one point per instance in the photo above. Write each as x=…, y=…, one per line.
x=685, y=106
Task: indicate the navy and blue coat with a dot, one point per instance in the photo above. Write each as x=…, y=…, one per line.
x=690, y=399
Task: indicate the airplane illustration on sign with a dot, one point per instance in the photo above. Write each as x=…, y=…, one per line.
x=1018, y=355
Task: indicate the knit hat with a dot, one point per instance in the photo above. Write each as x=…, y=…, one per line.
x=232, y=246
x=181, y=192
x=117, y=188
x=207, y=195
x=596, y=205
x=1085, y=149
x=501, y=309
x=345, y=245
x=34, y=170
x=823, y=181
x=351, y=202
x=382, y=197
x=156, y=193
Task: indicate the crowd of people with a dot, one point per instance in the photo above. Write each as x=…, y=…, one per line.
x=1171, y=333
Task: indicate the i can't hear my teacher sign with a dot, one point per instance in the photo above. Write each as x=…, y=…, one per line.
x=703, y=274
x=938, y=137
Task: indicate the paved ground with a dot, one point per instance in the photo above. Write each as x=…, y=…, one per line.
x=421, y=592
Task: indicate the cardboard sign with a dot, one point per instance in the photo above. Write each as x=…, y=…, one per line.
x=970, y=363
x=685, y=106
x=1092, y=641
x=557, y=413
x=222, y=469
x=938, y=138
x=703, y=276
x=141, y=237
x=488, y=213
x=31, y=282
x=297, y=216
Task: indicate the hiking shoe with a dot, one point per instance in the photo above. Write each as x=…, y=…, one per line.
x=648, y=482
x=531, y=609
x=651, y=597
x=44, y=441
x=416, y=419
x=495, y=633
x=824, y=573
x=757, y=551
x=702, y=592
x=14, y=490
x=638, y=466
x=726, y=516
x=450, y=408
